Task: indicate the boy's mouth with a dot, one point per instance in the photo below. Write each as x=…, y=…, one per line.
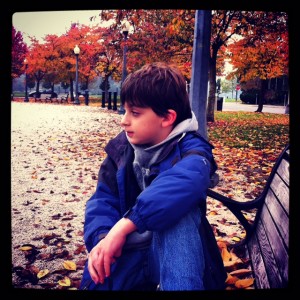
x=129, y=133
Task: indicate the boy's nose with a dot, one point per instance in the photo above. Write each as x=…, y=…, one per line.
x=124, y=121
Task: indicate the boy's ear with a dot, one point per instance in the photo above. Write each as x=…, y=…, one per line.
x=170, y=118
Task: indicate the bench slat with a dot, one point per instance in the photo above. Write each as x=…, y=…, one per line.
x=257, y=263
x=274, y=249
x=279, y=215
x=281, y=190
x=267, y=274
x=284, y=171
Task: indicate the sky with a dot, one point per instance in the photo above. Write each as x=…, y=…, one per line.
x=41, y=23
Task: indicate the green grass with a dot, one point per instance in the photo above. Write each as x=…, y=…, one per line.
x=249, y=130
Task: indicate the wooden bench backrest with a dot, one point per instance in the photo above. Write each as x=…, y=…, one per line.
x=268, y=247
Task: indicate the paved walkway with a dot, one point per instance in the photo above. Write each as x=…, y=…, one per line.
x=237, y=106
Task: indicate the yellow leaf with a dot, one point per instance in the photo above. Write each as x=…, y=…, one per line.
x=236, y=239
x=69, y=265
x=65, y=281
x=212, y=213
x=25, y=248
x=42, y=273
x=239, y=191
x=244, y=283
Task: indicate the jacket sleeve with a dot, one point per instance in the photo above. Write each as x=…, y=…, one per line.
x=102, y=209
x=172, y=194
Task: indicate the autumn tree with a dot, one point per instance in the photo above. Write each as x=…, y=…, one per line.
x=88, y=42
x=165, y=35
x=37, y=67
x=225, y=25
x=18, y=54
x=51, y=54
x=262, y=53
x=109, y=55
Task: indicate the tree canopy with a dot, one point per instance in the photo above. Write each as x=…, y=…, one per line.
x=254, y=42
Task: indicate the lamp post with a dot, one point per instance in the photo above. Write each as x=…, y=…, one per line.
x=26, y=90
x=76, y=52
x=125, y=30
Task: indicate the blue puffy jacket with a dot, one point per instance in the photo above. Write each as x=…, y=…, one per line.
x=178, y=182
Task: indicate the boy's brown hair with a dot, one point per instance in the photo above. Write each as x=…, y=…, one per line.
x=159, y=86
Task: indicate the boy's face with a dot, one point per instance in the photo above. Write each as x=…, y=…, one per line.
x=143, y=126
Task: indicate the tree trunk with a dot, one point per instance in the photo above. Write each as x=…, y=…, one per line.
x=263, y=87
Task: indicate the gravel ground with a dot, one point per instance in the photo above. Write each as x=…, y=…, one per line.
x=56, y=152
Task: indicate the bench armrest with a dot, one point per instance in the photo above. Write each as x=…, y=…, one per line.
x=237, y=208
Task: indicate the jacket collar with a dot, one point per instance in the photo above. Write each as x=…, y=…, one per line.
x=118, y=147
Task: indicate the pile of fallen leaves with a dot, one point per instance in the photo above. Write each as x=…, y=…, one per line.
x=239, y=274
x=56, y=152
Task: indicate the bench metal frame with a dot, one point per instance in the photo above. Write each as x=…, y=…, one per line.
x=267, y=238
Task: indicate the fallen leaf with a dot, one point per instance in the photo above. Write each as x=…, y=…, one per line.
x=66, y=281
x=212, y=213
x=240, y=272
x=226, y=255
x=69, y=265
x=42, y=273
x=244, y=283
x=231, y=279
x=222, y=244
x=25, y=248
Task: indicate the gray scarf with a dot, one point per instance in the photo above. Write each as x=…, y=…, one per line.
x=144, y=157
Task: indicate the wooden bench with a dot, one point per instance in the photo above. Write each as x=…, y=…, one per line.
x=41, y=98
x=267, y=238
x=63, y=97
x=60, y=98
x=50, y=98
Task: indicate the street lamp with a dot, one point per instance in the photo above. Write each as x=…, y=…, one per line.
x=76, y=51
x=26, y=91
x=125, y=30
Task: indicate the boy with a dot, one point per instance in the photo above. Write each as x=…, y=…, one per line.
x=154, y=179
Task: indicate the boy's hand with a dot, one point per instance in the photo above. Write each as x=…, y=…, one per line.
x=108, y=250
x=103, y=255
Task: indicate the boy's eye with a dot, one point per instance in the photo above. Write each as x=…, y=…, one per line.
x=135, y=113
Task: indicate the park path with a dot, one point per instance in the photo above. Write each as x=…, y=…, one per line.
x=238, y=106
x=56, y=151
